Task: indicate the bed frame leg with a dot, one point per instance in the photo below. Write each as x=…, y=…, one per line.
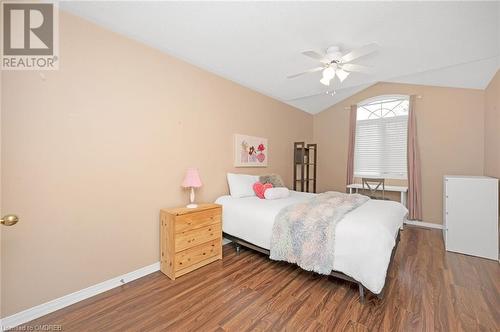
x=361, y=293
x=238, y=248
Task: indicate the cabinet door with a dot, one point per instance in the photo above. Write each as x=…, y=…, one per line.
x=471, y=217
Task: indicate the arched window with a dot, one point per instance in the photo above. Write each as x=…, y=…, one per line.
x=381, y=137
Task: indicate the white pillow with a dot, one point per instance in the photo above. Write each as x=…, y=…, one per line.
x=241, y=185
x=276, y=193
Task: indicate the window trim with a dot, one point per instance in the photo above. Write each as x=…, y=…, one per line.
x=377, y=99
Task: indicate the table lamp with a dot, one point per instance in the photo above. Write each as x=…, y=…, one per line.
x=192, y=180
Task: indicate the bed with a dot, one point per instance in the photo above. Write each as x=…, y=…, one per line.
x=366, y=238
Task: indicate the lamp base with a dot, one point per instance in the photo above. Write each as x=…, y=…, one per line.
x=192, y=206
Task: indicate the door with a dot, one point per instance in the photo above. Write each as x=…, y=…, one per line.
x=5, y=222
x=8, y=221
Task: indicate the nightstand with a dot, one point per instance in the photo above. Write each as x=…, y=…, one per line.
x=190, y=238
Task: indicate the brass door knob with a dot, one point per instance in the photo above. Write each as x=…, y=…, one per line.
x=9, y=220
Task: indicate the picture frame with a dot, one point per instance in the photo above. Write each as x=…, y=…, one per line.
x=250, y=151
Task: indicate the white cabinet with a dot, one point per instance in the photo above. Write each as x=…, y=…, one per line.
x=471, y=215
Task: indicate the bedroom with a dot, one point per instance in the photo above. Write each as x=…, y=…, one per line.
x=93, y=149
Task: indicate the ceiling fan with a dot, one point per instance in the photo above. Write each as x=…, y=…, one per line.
x=335, y=63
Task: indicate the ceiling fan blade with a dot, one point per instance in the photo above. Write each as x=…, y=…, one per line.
x=315, y=55
x=359, y=52
x=306, y=72
x=356, y=68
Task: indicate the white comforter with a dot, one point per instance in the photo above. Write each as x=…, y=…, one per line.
x=363, y=242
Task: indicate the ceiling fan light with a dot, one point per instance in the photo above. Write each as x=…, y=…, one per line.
x=342, y=74
x=329, y=73
x=325, y=81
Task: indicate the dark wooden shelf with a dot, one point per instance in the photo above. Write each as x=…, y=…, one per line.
x=305, y=158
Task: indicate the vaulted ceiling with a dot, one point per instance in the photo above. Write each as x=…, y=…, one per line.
x=257, y=44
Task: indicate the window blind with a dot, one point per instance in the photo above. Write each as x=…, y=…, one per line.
x=381, y=147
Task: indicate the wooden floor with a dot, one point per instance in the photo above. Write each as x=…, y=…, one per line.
x=428, y=290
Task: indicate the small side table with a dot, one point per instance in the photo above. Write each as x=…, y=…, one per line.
x=190, y=238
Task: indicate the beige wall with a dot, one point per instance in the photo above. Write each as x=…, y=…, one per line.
x=492, y=128
x=450, y=124
x=93, y=151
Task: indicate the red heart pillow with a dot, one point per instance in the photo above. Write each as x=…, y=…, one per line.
x=260, y=188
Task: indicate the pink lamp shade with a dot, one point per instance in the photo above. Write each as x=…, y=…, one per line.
x=192, y=179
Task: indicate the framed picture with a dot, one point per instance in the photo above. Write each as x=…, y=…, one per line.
x=250, y=151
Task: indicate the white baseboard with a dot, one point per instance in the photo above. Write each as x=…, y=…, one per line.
x=66, y=300
x=423, y=224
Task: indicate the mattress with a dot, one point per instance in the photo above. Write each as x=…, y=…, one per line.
x=364, y=238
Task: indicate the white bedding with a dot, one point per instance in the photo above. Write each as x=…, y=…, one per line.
x=363, y=242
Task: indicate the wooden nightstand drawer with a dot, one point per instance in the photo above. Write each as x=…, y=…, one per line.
x=197, y=254
x=190, y=238
x=197, y=236
x=191, y=221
